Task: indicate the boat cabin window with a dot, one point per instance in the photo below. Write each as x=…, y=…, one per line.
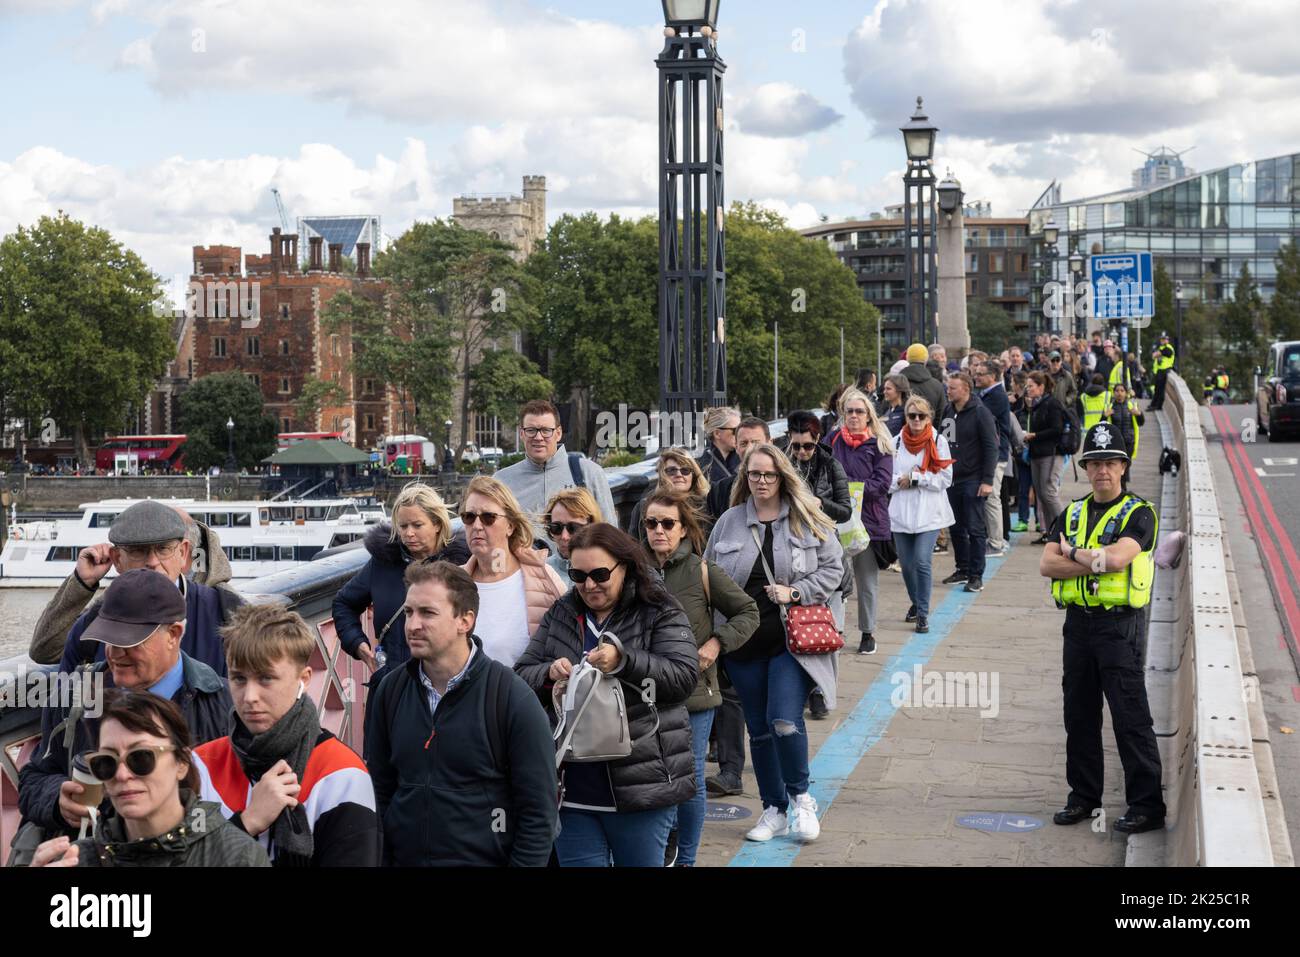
x=63, y=553
x=282, y=514
x=263, y=514
x=239, y=553
x=218, y=520
x=102, y=519
x=286, y=553
x=242, y=519
x=342, y=538
x=307, y=552
x=264, y=553
x=317, y=513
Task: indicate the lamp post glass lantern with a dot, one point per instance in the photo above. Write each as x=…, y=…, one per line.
x=231, y=464
x=448, y=460
x=920, y=273
x=680, y=14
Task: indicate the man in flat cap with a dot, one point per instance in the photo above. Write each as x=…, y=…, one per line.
x=138, y=627
x=151, y=535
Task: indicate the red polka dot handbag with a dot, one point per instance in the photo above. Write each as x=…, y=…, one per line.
x=809, y=629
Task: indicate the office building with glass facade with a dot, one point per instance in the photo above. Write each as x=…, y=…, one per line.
x=1203, y=227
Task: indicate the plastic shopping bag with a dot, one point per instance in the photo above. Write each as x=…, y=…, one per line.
x=853, y=534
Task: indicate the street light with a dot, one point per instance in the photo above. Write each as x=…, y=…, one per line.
x=918, y=139
x=699, y=15
x=1076, y=271
x=949, y=196
x=448, y=462
x=231, y=464
x=1178, y=329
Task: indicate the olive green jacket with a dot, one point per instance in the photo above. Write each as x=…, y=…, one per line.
x=731, y=616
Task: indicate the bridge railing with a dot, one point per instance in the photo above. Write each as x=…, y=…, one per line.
x=1212, y=779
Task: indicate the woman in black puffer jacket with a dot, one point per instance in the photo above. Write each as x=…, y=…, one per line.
x=1045, y=423
x=619, y=618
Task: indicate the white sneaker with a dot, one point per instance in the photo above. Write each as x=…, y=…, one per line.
x=771, y=824
x=804, y=824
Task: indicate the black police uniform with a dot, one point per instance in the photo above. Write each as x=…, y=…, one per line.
x=1103, y=657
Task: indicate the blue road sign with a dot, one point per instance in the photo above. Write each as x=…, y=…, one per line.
x=993, y=821
x=1123, y=287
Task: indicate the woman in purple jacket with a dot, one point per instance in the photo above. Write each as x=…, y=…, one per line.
x=864, y=447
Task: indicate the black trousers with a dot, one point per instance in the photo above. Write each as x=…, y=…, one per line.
x=1158, y=393
x=1103, y=657
x=729, y=734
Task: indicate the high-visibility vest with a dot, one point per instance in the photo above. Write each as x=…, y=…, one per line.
x=1093, y=408
x=1118, y=375
x=1164, y=359
x=1130, y=586
x=1221, y=382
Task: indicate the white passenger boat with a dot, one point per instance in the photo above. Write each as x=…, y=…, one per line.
x=259, y=538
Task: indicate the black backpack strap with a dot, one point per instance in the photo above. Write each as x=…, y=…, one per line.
x=575, y=469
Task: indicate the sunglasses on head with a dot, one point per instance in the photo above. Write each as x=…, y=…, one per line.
x=598, y=575
x=668, y=523
x=803, y=446
x=555, y=528
x=489, y=518
x=139, y=761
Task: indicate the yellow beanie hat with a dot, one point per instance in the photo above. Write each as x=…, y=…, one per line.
x=917, y=353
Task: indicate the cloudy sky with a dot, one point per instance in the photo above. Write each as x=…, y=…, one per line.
x=168, y=122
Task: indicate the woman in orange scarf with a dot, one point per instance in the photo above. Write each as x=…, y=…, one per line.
x=918, y=503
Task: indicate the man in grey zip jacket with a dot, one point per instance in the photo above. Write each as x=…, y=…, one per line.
x=546, y=468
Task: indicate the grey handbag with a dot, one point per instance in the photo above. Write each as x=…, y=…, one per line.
x=593, y=716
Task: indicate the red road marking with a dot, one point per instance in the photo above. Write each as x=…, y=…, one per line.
x=1248, y=481
x=1295, y=692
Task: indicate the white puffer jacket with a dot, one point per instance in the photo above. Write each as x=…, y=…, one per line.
x=923, y=507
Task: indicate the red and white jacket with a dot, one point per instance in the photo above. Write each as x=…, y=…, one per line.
x=336, y=794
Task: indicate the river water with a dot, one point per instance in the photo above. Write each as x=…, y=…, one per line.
x=19, y=609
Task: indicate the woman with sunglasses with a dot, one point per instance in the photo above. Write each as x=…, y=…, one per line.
x=619, y=617
x=722, y=617
x=143, y=762
x=515, y=584
x=568, y=511
x=918, y=504
x=781, y=548
x=680, y=473
x=865, y=449
x=420, y=529
x=897, y=391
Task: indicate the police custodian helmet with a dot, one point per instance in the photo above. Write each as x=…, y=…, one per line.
x=1103, y=442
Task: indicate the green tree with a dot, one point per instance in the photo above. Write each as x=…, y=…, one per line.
x=315, y=394
x=204, y=409
x=1284, y=310
x=83, y=336
x=1165, y=316
x=450, y=292
x=502, y=381
x=597, y=332
x=991, y=327
x=1244, y=328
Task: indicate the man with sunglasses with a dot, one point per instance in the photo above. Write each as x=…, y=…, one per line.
x=151, y=535
x=139, y=626
x=548, y=467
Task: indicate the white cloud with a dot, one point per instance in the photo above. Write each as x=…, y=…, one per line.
x=782, y=109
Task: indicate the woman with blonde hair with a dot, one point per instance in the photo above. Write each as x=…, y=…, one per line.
x=778, y=545
x=420, y=529
x=918, y=504
x=864, y=447
x=568, y=511
x=515, y=584
x=677, y=472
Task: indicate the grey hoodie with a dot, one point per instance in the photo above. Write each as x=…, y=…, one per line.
x=533, y=485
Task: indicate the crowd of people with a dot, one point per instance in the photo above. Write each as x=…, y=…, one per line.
x=646, y=651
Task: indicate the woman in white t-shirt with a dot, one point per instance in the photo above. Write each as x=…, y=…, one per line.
x=516, y=586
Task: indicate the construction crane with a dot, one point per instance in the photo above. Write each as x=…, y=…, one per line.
x=284, y=217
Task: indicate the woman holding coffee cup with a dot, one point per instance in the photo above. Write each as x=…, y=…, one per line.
x=143, y=762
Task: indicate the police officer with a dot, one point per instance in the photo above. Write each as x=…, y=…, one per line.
x=1101, y=565
x=1163, y=361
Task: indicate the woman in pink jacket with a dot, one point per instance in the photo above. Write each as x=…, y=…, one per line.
x=516, y=586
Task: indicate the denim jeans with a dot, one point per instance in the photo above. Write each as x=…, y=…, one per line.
x=690, y=814
x=629, y=838
x=915, y=552
x=969, y=541
x=773, y=692
x=1025, y=479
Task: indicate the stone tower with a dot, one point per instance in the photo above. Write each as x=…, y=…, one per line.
x=518, y=220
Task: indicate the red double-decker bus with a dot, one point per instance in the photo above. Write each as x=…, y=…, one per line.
x=157, y=451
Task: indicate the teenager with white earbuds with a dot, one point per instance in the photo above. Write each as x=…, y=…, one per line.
x=304, y=795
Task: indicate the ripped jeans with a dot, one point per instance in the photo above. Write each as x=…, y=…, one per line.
x=773, y=692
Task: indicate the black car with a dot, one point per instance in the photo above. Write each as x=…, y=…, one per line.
x=1278, y=401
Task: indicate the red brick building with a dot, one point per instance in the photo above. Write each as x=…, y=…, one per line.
x=262, y=317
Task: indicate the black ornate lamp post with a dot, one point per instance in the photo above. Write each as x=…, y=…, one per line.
x=692, y=262
x=231, y=464
x=1178, y=329
x=1076, y=276
x=448, y=460
x=921, y=295
x=1051, y=233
